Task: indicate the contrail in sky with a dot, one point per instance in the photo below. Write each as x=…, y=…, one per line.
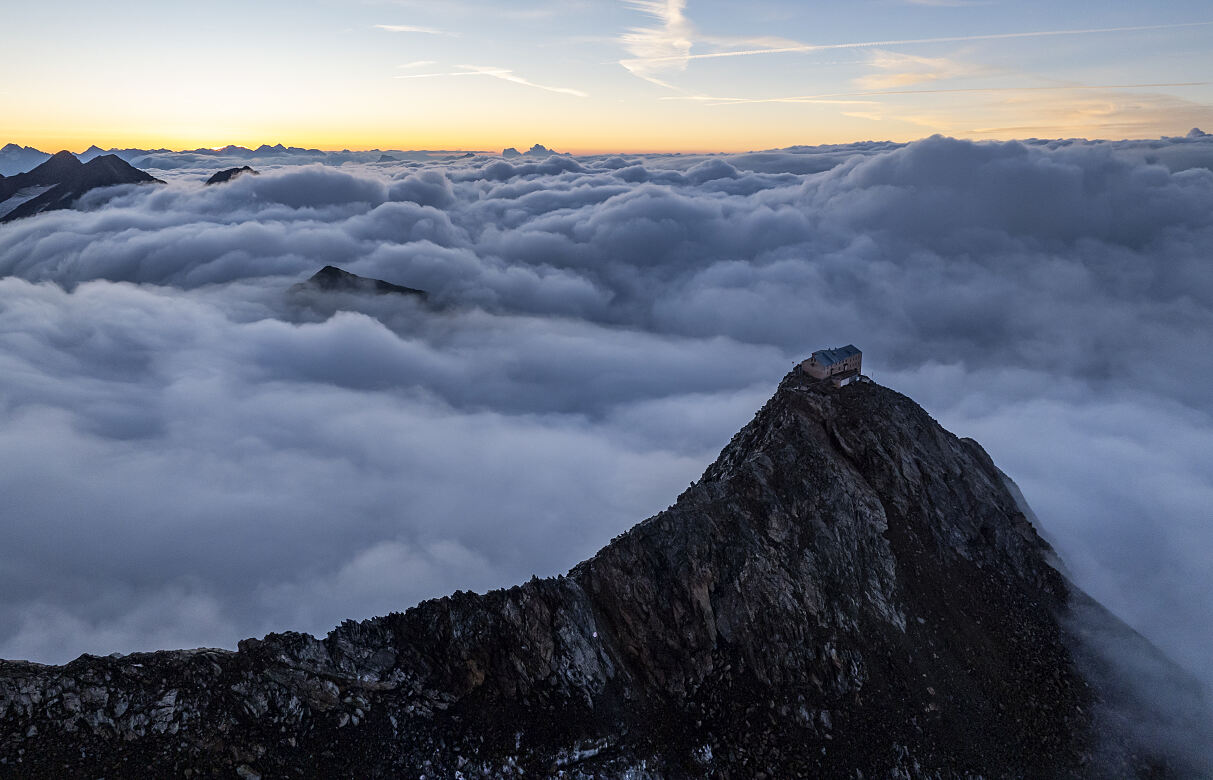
x=498, y=73
x=710, y=100
x=910, y=41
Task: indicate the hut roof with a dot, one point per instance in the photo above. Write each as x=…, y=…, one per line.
x=828, y=357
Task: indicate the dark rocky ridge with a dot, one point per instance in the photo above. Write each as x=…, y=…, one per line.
x=333, y=279
x=226, y=175
x=848, y=589
x=62, y=180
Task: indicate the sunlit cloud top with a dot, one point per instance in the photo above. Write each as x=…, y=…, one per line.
x=599, y=75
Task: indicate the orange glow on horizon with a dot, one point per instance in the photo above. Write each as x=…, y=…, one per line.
x=78, y=143
x=631, y=128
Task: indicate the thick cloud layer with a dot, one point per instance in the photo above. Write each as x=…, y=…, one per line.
x=189, y=455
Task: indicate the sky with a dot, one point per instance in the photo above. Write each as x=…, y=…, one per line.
x=598, y=75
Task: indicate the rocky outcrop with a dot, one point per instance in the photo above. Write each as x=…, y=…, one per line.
x=848, y=591
x=60, y=181
x=226, y=175
x=333, y=279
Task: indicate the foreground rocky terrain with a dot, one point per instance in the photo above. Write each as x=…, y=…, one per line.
x=848, y=591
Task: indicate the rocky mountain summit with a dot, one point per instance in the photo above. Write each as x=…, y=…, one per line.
x=60, y=181
x=226, y=175
x=848, y=591
x=333, y=279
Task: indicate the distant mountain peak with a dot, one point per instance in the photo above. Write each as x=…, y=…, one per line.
x=57, y=168
x=228, y=174
x=230, y=149
x=17, y=159
x=60, y=181
x=334, y=279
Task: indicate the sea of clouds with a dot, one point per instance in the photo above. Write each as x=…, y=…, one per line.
x=190, y=455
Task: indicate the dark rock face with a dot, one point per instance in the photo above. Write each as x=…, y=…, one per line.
x=848, y=589
x=55, y=169
x=333, y=279
x=224, y=176
x=60, y=181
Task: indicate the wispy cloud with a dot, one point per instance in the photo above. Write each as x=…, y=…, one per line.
x=667, y=46
x=1121, y=111
x=410, y=28
x=503, y=74
x=1059, y=111
x=841, y=97
x=897, y=69
x=664, y=47
x=801, y=48
x=418, y=64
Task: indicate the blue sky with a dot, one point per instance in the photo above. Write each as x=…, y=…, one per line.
x=598, y=75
